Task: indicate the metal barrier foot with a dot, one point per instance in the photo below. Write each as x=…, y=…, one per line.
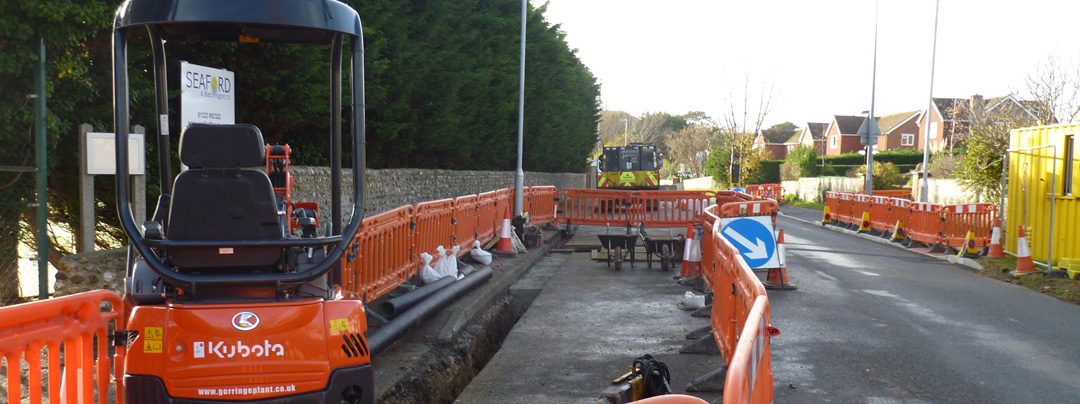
x=703, y=312
x=938, y=248
x=712, y=381
x=705, y=345
x=700, y=332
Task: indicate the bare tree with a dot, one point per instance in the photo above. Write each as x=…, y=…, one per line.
x=1055, y=89
x=740, y=125
x=611, y=126
x=690, y=146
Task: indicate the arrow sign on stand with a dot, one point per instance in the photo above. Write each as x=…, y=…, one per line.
x=755, y=250
x=753, y=237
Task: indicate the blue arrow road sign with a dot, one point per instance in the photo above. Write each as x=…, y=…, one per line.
x=754, y=238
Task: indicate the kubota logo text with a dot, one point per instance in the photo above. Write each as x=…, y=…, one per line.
x=202, y=349
x=245, y=321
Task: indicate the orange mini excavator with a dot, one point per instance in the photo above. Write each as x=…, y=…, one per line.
x=225, y=302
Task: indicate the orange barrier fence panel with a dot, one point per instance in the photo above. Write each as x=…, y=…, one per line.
x=670, y=208
x=79, y=325
x=486, y=216
x=722, y=197
x=899, y=210
x=957, y=220
x=434, y=227
x=860, y=205
x=541, y=204
x=893, y=193
x=765, y=191
x=751, y=208
x=597, y=207
x=832, y=201
x=879, y=213
x=845, y=208
x=504, y=199
x=749, y=376
x=465, y=222
x=381, y=256
x=925, y=224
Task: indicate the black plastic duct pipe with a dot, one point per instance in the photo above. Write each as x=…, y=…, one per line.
x=391, y=307
x=382, y=338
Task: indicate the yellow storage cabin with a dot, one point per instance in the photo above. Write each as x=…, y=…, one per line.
x=1042, y=193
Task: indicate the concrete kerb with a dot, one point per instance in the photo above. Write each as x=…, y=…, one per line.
x=953, y=259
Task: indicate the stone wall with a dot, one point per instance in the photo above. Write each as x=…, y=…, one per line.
x=390, y=188
x=85, y=272
x=945, y=191
x=814, y=188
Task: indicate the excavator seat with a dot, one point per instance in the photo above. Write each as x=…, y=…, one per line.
x=220, y=197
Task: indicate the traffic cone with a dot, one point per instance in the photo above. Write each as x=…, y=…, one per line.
x=1024, y=264
x=778, y=277
x=995, y=250
x=864, y=225
x=968, y=250
x=898, y=233
x=505, y=248
x=826, y=217
x=691, y=262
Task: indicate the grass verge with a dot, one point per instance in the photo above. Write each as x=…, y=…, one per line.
x=1061, y=288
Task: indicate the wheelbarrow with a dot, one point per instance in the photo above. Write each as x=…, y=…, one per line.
x=666, y=250
x=619, y=247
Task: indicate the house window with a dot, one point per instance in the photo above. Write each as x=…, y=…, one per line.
x=1069, y=164
x=907, y=139
x=832, y=141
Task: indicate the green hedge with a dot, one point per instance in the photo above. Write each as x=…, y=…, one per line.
x=767, y=173
x=898, y=157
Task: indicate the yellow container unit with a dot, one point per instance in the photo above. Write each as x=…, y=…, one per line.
x=1043, y=193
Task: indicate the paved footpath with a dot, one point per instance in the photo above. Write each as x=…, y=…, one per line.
x=871, y=323
x=584, y=329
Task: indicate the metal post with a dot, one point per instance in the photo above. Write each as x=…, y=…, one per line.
x=626, y=132
x=868, y=185
x=519, y=179
x=42, y=179
x=138, y=185
x=924, y=195
x=86, y=196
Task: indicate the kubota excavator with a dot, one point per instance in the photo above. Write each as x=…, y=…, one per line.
x=225, y=301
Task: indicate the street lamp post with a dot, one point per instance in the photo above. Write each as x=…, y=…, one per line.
x=519, y=178
x=626, y=132
x=925, y=188
x=868, y=186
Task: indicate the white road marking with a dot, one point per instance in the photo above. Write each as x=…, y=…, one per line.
x=826, y=276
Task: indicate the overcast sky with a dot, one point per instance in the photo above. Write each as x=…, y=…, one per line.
x=683, y=55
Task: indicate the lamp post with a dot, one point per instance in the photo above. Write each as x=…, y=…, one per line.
x=519, y=178
x=626, y=132
x=925, y=188
x=871, y=137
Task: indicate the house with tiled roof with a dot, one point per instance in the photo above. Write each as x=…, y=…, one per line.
x=812, y=134
x=898, y=131
x=776, y=144
x=842, y=135
x=947, y=122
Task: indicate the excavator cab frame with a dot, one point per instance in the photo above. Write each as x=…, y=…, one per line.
x=214, y=314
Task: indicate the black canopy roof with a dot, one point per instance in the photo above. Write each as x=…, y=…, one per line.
x=314, y=21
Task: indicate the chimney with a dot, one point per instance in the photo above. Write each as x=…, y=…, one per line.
x=976, y=103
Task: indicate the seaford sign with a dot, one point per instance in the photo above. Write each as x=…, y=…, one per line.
x=207, y=95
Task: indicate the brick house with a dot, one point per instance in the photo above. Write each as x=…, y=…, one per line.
x=775, y=150
x=842, y=135
x=813, y=135
x=898, y=131
x=948, y=123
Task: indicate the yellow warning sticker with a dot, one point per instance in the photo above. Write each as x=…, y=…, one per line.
x=627, y=177
x=339, y=326
x=153, y=333
x=150, y=346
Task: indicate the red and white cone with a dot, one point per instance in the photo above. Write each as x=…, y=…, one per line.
x=995, y=250
x=778, y=277
x=1024, y=264
x=691, y=262
x=505, y=247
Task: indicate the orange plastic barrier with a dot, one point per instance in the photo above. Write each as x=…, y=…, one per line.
x=893, y=193
x=832, y=201
x=860, y=205
x=879, y=213
x=765, y=191
x=77, y=324
x=464, y=221
x=899, y=210
x=486, y=216
x=541, y=203
x=957, y=220
x=597, y=207
x=925, y=226
x=669, y=208
x=845, y=208
x=740, y=310
x=381, y=257
x=504, y=199
x=434, y=227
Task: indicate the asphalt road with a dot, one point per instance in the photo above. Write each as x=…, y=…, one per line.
x=872, y=323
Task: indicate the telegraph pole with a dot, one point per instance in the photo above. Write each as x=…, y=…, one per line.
x=519, y=179
x=924, y=195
